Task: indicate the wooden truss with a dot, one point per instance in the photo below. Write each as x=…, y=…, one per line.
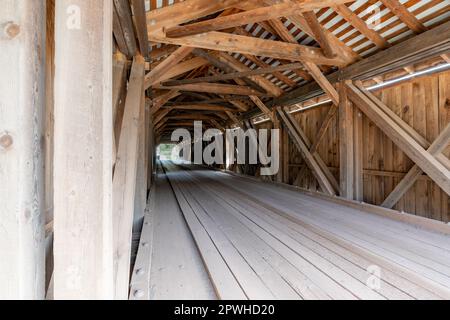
x=425, y=155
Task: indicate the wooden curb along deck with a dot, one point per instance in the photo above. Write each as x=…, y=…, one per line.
x=258, y=241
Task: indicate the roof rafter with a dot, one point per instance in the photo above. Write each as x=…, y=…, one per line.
x=221, y=41
x=247, y=17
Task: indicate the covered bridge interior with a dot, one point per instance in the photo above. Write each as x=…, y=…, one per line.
x=358, y=93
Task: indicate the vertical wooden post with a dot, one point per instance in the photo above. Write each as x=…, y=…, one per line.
x=124, y=184
x=142, y=167
x=119, y=84
x=358, y=171
x=346, y=143
x=285, y=157
x=83, y=247
x=22, y=103
x=49, y=134
x=277, y=126
x=151, y=149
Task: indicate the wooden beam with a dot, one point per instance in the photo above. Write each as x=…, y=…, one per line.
x=415, y=172
x=140, y=199
x=214, y=61
x=162, y=100
x=275, y=71
x=49, y=135
x=119, y=86
x=235, y=75
x=358, y=145
x=207, y=100
x=22, y=109
x=446, y=57
x=83, y=247
x=323, y=82
x=248, y=17
x=123, y=11
x=346, y=53
x=319, y=34
x=312, y=68
x=185, y=11
x=201, y=107
x=216, y=125
x=429, y=164
x=311, y=161
x=154, y=75
x=124, y=182
x=170, y=125
x=119, y=81
x=215, y=88
x=399, y=121
x=141, y=25
x=182, y=68
x=405, y=15
x=160, y=116
x=237, y=65
x=221, y=41
x=234, y=119
x=118, y=34
x=346, y=142
x=263, y=108
x=241, y=106
x=192, y=116
x=361, y=25
x=160, y=124
x=233, y=64
x=162, y=52
x=419, y=48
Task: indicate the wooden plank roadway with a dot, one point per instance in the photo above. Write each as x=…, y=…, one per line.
x=259, y=241
x=176, y=270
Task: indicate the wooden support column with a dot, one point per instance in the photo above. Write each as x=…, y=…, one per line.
x=346, y=141
x=277, y=126
x=142, y=167
x=83, y=148
x=151, y=149
x=123, y=11
x=285, y=157
x=124, y=184
x=358, y=140
x=22, y=104
x=49, y=136
x=119, y=86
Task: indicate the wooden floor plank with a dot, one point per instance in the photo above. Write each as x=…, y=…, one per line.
x=276, y=243
x=177, y=270
x=314, y=217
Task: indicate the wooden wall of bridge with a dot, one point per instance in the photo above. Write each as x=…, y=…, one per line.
x=425, y=105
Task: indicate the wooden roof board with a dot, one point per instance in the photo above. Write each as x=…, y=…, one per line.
x=430, y=13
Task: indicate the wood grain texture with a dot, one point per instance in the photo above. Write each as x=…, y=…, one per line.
x=124, y=183
x=83, y=147
x=22, y=107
